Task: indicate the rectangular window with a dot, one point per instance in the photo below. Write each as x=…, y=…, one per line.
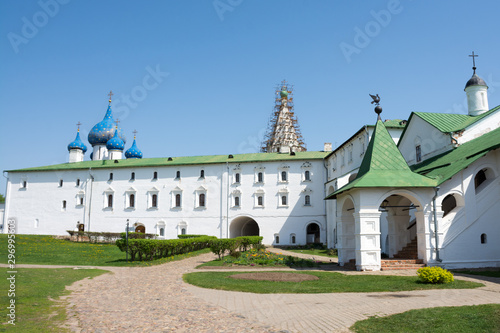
x=283, y=200
x=110, y=200
x=307, y=175
x=131, y=202
x=154, y=200
x=155, y=175
x=202, y=200
x=64, y=204
x=283, y=176
x=132, y=176
x=202, y=174
x=260, y=200
x=307, y=200
x=110, y=176
x=237, y=178
x=260, y=177
x=418, y=153
x=178, y=175
x=78, y=182
x=25, y=184
x=81, y=200
x=60, y=183
x=177, y=200
x=236, y=201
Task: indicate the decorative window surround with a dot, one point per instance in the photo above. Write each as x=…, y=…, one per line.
x=259, y=175
x=151, y=201
x=283, y=198
x=306, y=171
x=283, y=172
x=130, y=198
x=259, y=196
x=174, y=201
x=201, y=198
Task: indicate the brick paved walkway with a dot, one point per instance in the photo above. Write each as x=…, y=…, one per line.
x=155, y=299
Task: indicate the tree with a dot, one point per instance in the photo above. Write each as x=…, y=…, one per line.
x=2, y=199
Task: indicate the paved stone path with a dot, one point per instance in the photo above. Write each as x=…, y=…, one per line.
x=155, y=299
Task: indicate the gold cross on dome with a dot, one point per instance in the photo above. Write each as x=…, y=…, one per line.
x=78, y=124
x=110, y=94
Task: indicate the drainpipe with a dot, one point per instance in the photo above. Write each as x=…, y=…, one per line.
x=326, y=209
x=6, y=209
x=90, y=197
x=436, y=189
x=227, y=201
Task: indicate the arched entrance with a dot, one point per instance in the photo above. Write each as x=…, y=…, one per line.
x=346, y=233
x=81, y=227
x=313, y=233
x=243, y=226
x=398, y=226
x=141, y=229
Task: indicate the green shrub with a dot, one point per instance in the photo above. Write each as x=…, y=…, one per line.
x=434, y=275
x=190, y=236
x=332, y=252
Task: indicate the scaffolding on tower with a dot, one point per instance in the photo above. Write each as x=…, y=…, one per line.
x=283, y=130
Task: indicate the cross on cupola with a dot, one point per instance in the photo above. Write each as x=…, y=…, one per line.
x=78, y=125
x=110, y=94
x=473, y=61
x=135, y=132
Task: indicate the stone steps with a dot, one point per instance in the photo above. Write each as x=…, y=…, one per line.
x=394, y=264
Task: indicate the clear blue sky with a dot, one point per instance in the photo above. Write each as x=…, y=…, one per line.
x=224, y=59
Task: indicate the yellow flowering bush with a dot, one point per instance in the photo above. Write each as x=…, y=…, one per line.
x=434, y=275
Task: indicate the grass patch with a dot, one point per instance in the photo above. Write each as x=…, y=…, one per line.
x=328, y=283
x=314, y=252
x=482, y=273
x=34, y=311
x=475, y=318
x=46, y=250
x=260, y=258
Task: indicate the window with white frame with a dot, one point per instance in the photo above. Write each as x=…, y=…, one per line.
x=201, y=197
x=283, y=173
x=109, y=198
x=237, y=174
x=283, y=198
x=259, y=174
x=307, y=193
x=306, y=171
x=176, y=198
x=130, y=198
x=182, y=228
x=80, y=198
x=153, y=198
x=160, y=229
x=259, y=198
x=236, y=198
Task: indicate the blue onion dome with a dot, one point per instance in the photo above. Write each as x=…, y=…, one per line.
x=115, y=143
x=77, y=143
x=133, y=152
x=105, y=130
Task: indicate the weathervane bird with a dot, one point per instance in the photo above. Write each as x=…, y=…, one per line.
x=376, y=99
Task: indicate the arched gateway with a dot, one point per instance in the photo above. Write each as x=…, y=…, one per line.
x=243, y=226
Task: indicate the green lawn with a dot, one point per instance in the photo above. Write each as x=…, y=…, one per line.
x=314, y=252
x=460, y=319
x=45, y=250
x=33, y=288
x=328, y=283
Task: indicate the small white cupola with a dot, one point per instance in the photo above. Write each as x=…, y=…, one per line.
x=477, y=92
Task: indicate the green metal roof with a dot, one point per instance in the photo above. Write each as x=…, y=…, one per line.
x=446, y=165
x=186, y=160
x=448, y=122
x=384, y=166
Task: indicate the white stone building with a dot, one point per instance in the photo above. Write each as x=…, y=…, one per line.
x=427, y=189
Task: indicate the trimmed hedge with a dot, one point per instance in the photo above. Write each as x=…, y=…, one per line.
x=149, y=249
x=189, y=236
x=221, y=246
